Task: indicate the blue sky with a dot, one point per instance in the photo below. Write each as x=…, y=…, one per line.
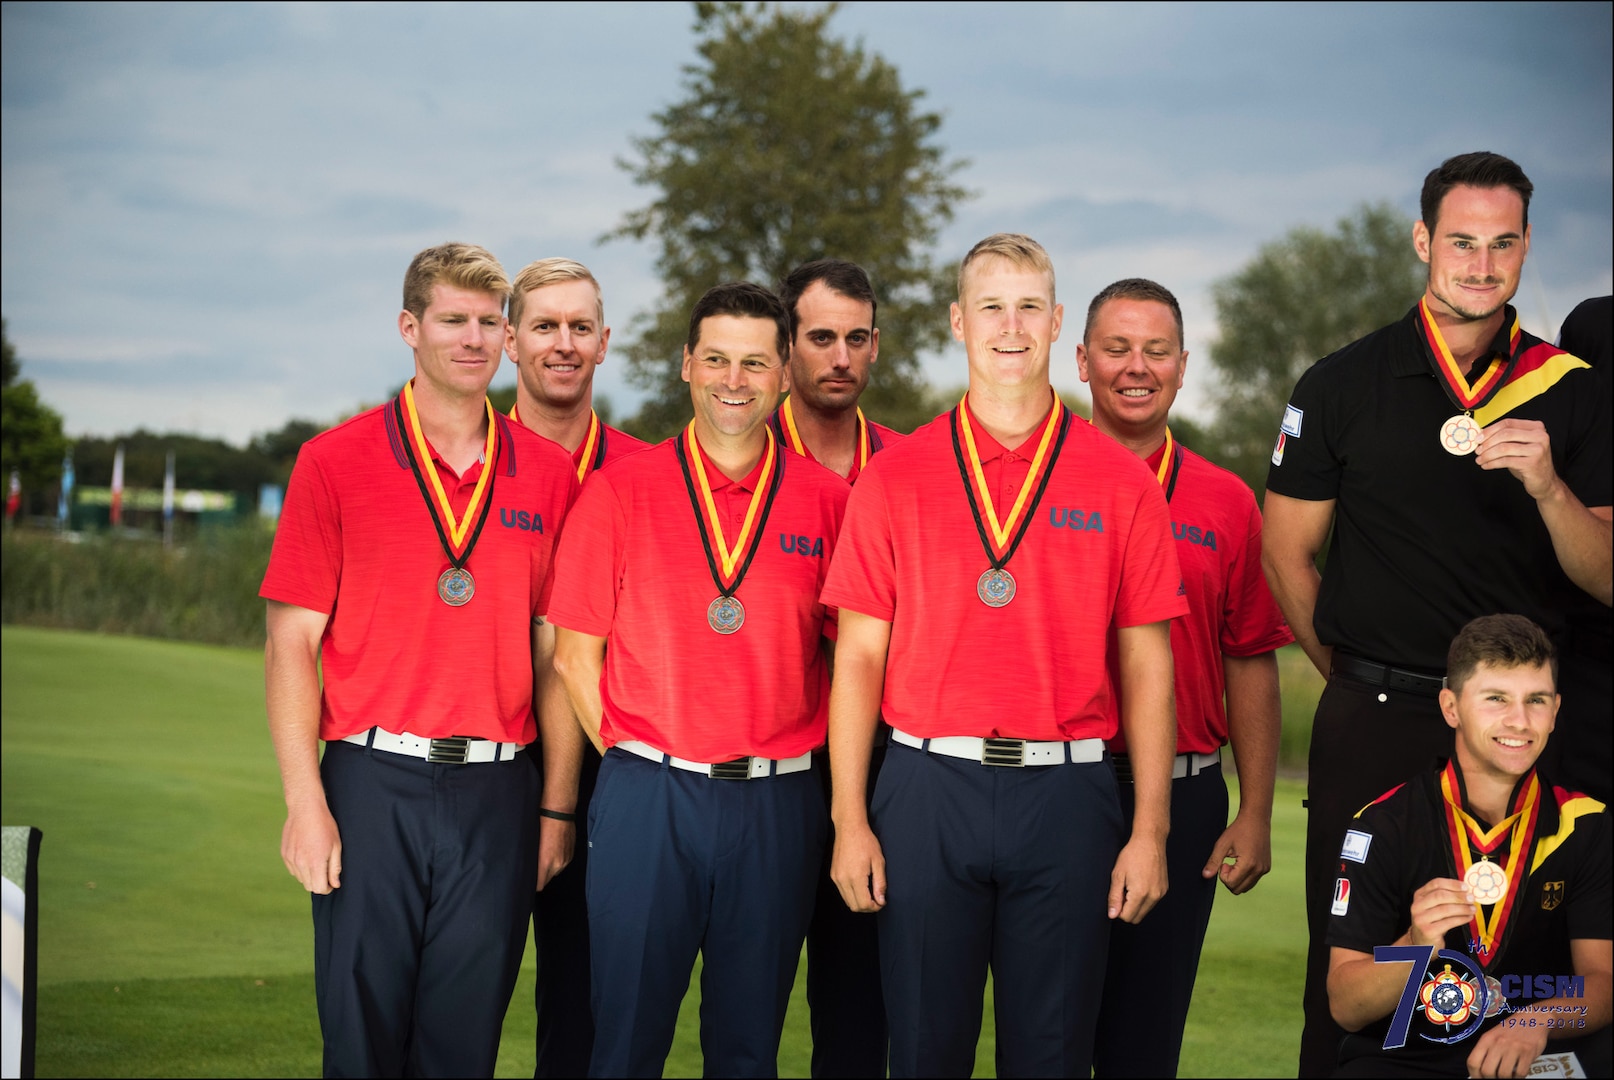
x=207, y=210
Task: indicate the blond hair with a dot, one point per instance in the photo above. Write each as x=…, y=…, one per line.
x=462, y=266
x=1017, y=248
x=536, y=275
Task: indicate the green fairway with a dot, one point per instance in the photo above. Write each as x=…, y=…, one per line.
x=172, y=941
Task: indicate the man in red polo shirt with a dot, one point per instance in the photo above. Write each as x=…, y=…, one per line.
x=833, y=344
x=1132, y=357
x=556, y=336
x=699, y=563
x=989, y=564
x=409, y=569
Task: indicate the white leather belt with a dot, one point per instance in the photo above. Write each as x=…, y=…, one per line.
x=456, y=750
x=1182, y=766
x=1013, y=752
x=746, y=768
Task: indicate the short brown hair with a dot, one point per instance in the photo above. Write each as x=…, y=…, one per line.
x=839, y=276
x=743, y=300
x=1500, y=640
x=1481, y=169
x=1017, y=248
x=535, y=275
x=463, y=266
x=1133, y=288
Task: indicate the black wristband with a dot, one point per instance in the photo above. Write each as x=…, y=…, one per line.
x=558, y=815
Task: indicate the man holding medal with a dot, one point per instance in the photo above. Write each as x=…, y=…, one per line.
x=1226, y=685
x=833, y=344
x=1450, y=460
x=693, y=645
x=1485, y=860
x=990, y=563
x=556, y=336
x=410, y=567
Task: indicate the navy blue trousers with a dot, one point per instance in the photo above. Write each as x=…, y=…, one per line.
x=1007, y=868
x=843, y=975
x=415, y=956
x=1149, y=980
x=560, y=933
x=681, y=864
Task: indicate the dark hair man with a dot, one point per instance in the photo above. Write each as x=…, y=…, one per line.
x=834, y=342
x=1483, y=859
x=1133, y=359
x=988, y=561
x=1449, y=460
x=556, y=337
x=692, y=643
x=415, y=547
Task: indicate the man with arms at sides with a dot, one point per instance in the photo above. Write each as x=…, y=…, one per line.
x=833, y=344
x=1449, y=460
x=988, y=561
x=693, y=647
x=1483, y=859
x=556, y=337
x=411, y=570
x=1226, y=688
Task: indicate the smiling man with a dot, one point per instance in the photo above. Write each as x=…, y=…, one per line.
x=1133, y=359
x=1456, y=466
x=406, y=589
x=694, y=648
x=556, y=336
x=1485, y=860
x=988, y=563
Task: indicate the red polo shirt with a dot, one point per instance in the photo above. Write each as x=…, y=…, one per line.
x=880, y=437
x=1217, y=529
x=356, y=541
x=611, y=445
x=633, y=570
x=1096, y=555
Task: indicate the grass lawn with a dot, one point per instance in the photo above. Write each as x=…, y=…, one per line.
x=173, y=943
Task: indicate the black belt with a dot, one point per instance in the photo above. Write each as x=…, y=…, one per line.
x=1383, y=675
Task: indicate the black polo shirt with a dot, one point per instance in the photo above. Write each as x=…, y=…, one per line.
x=1423, y=540
x=1401, y=842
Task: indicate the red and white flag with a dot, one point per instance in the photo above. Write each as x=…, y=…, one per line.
x=117, y=487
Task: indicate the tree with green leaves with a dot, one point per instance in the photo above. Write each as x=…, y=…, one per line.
x=790, y=144
x=31, y=438
x=1302, y=297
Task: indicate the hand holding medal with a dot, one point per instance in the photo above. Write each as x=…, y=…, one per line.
x=1460, y=434
x=1488, y=884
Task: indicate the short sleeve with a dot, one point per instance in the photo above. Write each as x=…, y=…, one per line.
x=1252, y=623
x=863, y=572
x=1304, y=465
x=589, y=562
x=543, y=577
x=1370, y=904
x=1152, y=588
x=305, y=564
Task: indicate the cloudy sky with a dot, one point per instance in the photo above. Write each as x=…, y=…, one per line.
x=207, y=210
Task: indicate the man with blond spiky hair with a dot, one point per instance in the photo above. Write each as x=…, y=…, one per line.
x=406, y=593
x=987, y=564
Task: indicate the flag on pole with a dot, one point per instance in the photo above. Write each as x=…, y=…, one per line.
x=117, y=487
x=65, y=500
x=168, y=500
x=13, y=495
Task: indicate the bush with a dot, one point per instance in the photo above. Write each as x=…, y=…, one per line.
x=205, y=590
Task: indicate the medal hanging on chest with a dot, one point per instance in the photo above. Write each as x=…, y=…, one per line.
x=1000, y=537
x=728, y=566
x=1490, y=884
x=457, y=535
x=1460, y=434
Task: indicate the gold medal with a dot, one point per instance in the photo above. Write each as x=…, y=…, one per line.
x=1486, y=882
x=1460, y=435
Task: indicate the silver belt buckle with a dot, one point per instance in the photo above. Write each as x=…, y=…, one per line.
x=1003, y=752
x=739, y=769
x=450, y=751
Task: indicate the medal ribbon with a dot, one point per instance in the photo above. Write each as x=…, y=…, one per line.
x=1170, y=466
x=728, y=565
x=459, y=537
x=1465, y=395
x=792, y=436
x=590, y=455
x=1005, y=535
x=1465, y=833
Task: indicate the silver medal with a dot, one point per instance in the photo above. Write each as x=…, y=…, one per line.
x=995, y=588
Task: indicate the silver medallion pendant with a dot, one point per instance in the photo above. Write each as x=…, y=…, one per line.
x=725, y=614
x=1460, y=435
x=995, y=588
x=456, y=587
